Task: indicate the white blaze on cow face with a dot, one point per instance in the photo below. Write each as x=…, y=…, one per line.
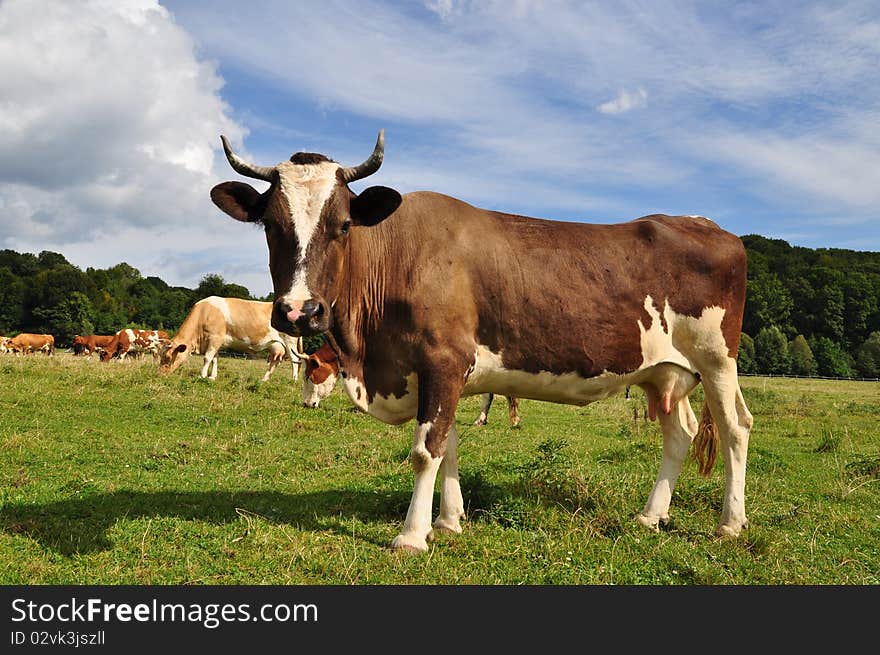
x=314, y=393
x=306, y=187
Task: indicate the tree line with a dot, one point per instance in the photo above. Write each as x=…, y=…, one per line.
x=808, y=311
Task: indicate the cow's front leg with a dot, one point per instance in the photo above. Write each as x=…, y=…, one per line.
x=438, y=398
x=451, y=501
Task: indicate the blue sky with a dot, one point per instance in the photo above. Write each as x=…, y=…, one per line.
x=762, y=116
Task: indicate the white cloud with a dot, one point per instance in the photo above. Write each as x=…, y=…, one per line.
x=110, y=126
x=624, y=102
x=840, y=173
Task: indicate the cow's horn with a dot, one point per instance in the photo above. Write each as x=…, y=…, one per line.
x=248, y=170
x=370, y=166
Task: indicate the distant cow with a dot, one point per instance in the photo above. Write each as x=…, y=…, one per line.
x=4, y=344
x=426, y=299
x=135, y=342
x=215, y=324
x=89, y=344
x=512, y=409
x=322, y=370
x=31, y=343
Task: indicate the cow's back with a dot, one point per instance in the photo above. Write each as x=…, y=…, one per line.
x=238, y=324
x=540, y=295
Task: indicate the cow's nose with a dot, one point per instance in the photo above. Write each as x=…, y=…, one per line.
x=312, y=309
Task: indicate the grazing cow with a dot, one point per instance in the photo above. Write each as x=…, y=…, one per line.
x=91, y=343
x=216, y=323
x=322, y=370
x=31, y=343
x=4, y=344
x=134, y=342
x=512, y=409
x=426, y=298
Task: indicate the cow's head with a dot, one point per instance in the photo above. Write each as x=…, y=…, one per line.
x=172, y=355
x=322, y=369
x=307, y=213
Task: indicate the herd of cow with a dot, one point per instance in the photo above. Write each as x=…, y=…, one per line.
x=212, y=325
x=216, y=324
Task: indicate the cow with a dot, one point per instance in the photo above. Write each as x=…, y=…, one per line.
x=91, y=343
x=426, y=298
x=216, y=323
x=135, y=342
x=512, y=409
x=27, y=342
x=322, y=371
x=4, y=344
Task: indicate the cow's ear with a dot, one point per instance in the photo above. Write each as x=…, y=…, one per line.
x=180, y=348
x=374, y=205
x=237, y=199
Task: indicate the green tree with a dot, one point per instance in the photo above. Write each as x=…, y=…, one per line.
x=49, y=259
x=214, y=285
x=802, y=360
x=174, y=306
x=64, y=320
x=768, y=303
x=745, y=362
x=48, y=305
x=829, y=302
x=831, y=359
x=145, y=300
x=211, y=284
x=12, y=298
x=22, y=265
x=771, y=351
x=868, y=358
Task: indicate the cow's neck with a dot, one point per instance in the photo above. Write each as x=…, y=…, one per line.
x=359, y=307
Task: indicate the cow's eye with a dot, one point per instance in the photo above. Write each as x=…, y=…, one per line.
x=345, y=227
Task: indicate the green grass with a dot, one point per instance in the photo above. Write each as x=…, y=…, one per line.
x=113, y=474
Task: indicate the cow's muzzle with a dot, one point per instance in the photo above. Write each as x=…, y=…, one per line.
x=312, y=317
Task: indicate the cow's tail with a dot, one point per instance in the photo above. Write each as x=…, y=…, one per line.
x=706, y=442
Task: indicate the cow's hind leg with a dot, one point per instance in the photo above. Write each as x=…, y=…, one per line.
x=486, y=403
x=276, y=354
x=209, y=358
x=734, y=423
x=679, y=428
x=451, y=500
x=513, y=410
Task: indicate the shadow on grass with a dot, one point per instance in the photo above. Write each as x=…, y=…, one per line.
x=79, y=525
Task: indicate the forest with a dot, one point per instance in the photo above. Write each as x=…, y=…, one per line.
x=808, y=311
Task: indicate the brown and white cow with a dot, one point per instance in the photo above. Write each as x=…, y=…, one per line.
x=134, y=342
x=486, y=404
x=91, y=343
x=322, y=371
x=4, y=344
x=426, y=298
x=27, y=343
x=216, y=323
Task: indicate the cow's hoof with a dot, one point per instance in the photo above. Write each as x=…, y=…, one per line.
x=731, y=529
x=652, y=522
x=448, y=525
x=480, y=422
x=404, y=543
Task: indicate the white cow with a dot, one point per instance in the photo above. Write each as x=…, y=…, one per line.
x=215, y=324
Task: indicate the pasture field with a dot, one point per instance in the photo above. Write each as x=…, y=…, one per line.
x=114, y=474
